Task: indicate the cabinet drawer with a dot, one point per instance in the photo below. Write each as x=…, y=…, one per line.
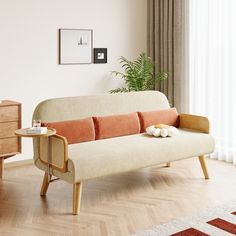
x=9, y=145
x=9, y=113
x=7, y=129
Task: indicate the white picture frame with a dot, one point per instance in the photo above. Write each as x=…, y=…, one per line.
x=76, y=46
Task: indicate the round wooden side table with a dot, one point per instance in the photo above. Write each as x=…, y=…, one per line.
x=23, y=133
x=50, y=132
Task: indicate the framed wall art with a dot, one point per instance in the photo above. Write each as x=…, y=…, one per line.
x=100, y=55
x=76, y=46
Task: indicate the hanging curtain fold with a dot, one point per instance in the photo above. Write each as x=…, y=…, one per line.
x=167, y=20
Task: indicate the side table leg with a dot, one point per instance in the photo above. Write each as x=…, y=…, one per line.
x=49, y=159
x=1, y=167
x=49, y=174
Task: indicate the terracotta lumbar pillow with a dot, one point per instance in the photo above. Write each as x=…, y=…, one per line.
x=75, y=131
x=167, y=117
x=116, y=125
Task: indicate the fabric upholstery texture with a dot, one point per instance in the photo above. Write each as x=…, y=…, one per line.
x=116, y=155
x=116, y=125
x=75, y=131
x=135, y=151
x=167, y=117
x=98, y=158
x=74, y=108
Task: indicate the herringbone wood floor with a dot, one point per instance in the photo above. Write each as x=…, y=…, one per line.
x=115, y=205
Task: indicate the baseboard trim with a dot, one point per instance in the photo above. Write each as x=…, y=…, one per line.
x=18, y=163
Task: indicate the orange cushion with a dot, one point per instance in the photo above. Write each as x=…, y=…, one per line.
x=116, y=125
x=167, y=117
x=75, y=131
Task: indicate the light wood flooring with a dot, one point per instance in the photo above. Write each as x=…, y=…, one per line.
x=115, y=205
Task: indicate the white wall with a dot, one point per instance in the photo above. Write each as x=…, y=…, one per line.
x=29, y=70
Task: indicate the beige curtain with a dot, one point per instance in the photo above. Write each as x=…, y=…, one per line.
x=167, y=46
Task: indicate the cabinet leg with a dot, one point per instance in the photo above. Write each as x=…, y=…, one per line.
x=1, y=167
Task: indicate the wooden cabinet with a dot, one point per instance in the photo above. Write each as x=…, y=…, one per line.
x=10, y=120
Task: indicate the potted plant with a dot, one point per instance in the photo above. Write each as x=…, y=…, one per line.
x=139, y=75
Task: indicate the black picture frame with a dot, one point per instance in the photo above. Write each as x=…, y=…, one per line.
x=100, y=55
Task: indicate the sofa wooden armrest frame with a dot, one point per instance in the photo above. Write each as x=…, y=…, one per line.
x=53, y=151
x=199, y=123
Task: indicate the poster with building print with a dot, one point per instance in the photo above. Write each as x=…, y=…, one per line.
x=76, y=46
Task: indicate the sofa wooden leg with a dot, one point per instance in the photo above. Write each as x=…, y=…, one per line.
x=167, y=164
x=45, y=184
x=77, y=191
x=204, y=167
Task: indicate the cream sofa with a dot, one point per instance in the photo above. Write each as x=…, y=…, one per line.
x=83, y=161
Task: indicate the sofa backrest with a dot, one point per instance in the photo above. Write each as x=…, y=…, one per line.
x=72, y=108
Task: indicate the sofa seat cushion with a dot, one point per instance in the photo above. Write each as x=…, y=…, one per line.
x=115, y=155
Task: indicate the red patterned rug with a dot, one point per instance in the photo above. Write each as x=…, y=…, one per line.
x=219, y=221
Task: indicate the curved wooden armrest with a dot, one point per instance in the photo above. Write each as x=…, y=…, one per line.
x=199, y=123
x=53, y=151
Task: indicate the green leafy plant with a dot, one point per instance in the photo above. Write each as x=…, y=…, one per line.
x=138, y=75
